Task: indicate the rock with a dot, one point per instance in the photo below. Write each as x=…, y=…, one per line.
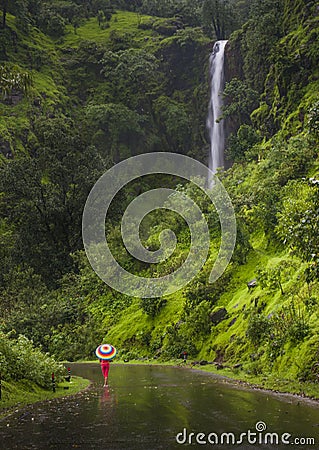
x=232, y=322
x=37, y=102
x=251, y=284
x=238, y=366
x=14, y=98
x=233, y=68
x=261, y=307
x=219, y=315
x=5, y=149
x=234, y=60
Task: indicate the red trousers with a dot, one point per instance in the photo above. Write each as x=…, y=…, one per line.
x=105, y=367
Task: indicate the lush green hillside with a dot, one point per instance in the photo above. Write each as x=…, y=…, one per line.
x=273, y=327
x=98, y=93
x=75, y=98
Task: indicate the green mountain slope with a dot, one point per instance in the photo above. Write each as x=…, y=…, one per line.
x=271, y=328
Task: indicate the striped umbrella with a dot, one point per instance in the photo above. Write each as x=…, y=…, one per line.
x=105, y=351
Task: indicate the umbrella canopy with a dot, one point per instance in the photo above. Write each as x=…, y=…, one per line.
x=105, y=351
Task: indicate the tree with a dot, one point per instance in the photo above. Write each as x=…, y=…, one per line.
x=34, y=8
x=242, y=8
x=13, y=78
x=313, y=120
x=76, y=22
x=217, y=17
x=104, y=6
x=240, y=146
x=274, y=278
x=44, y=197
x=198, y=323
x=55, y=25
x=152, y=306
x=174, y=122
x=101, y=17
x=5, y=4
x=15, y=7
x=132, y=73
x=263, y=30
x=188, y=10
x=281, y=162
x=298, y=219
x=158, y=7
x=119, y=124
x=239, y=101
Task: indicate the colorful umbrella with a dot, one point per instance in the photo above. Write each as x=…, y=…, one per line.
x=105, y=351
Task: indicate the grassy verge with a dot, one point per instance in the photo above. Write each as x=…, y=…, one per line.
x=268, y=382
x=21, y=393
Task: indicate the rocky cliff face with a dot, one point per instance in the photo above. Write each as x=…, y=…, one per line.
x=233, y=58
x=233, y=69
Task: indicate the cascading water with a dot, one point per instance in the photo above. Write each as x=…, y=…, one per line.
x=216, y=129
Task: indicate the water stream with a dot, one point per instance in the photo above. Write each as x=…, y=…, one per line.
x=215, y=128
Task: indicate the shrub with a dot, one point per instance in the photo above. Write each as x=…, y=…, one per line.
x=152, y=306
x=20, y=359
x=313, y=119
x=258, y=328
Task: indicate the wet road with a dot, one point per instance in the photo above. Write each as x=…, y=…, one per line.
x=146, y=407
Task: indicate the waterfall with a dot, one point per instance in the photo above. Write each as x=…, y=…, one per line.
x=216, y=130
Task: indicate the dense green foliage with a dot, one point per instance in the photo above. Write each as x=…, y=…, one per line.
x=85, y=85
x=21, y=360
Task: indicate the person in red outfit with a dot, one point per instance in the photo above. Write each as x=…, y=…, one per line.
x=105, y=367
